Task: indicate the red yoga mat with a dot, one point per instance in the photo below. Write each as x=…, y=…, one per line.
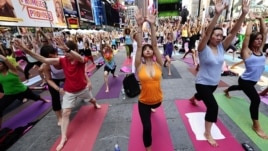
x=229, y=143
x=83, y=129
x=161, y=140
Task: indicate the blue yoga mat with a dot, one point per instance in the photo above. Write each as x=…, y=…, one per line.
x=27, y=115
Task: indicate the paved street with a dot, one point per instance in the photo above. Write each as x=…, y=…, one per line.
x=116, y=127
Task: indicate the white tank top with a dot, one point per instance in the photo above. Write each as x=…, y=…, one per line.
x=56, y=73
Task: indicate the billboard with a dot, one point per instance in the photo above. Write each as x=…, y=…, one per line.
x=38, y=13
x=69, y=8
x=256, y=6
x=85, y=10
x=168, y=8
x=70, y=13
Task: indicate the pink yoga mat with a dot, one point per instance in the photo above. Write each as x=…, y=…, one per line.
x=127, y=62
x=189, y=61
x=83, y=129
x=229, y=143
x=125, y=69
x=264, y=99
x=161, y=140
x=90, y=68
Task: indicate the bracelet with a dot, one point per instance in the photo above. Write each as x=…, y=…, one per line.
x=68, y=51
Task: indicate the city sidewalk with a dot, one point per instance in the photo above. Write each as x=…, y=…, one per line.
x=116, y=126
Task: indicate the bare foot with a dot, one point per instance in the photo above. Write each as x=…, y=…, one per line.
x=24, y=100
x=107, y=90
x=46, y=101
x=210, y=140
x=260, y=132
x=59, y=122
x=193, y=101
x=226, y=93
x=153, y=110
x=96, y=105
x=61, y=144
x=115, y=76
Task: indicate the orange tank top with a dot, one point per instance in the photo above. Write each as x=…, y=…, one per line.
x=151, y=92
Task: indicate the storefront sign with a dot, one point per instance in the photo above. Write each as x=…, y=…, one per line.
x=37, y=13
x=85, y=10
x=72, y=22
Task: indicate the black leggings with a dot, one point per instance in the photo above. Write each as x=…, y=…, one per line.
x=29, y=66
x=55, y=95
x=6, y=100
x=248, y=88
x=145, y=115
x=205, y=93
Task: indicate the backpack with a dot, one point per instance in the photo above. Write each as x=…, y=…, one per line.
x=131, y=85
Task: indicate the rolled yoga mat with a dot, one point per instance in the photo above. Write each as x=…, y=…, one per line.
x=238, y=110
x=161, y=140
x=228, y=142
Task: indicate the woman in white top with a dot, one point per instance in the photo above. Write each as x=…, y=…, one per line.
x=134, y=43
x=80, y=45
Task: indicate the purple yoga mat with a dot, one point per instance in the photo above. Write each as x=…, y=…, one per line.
x=115, y=85
x=264, y=99
x=27, y=115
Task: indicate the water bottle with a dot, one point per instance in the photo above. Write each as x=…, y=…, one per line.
x=123, y=94
x=116, y=147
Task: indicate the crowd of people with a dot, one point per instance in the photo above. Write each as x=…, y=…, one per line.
x=61, y=59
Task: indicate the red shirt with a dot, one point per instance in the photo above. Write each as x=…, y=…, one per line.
x=75, y=79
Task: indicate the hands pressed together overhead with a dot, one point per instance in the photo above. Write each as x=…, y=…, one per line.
x=150, y=17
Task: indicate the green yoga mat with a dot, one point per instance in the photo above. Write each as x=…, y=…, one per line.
x=238, y=110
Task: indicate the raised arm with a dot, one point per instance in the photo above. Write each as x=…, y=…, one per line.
x=139, y=20
x=9, y=65
x=151, y=18
x=53, y=61
x=227, y=41
x=219, y=7
x=263, y=30
x=245, y=51
x=70, y=49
